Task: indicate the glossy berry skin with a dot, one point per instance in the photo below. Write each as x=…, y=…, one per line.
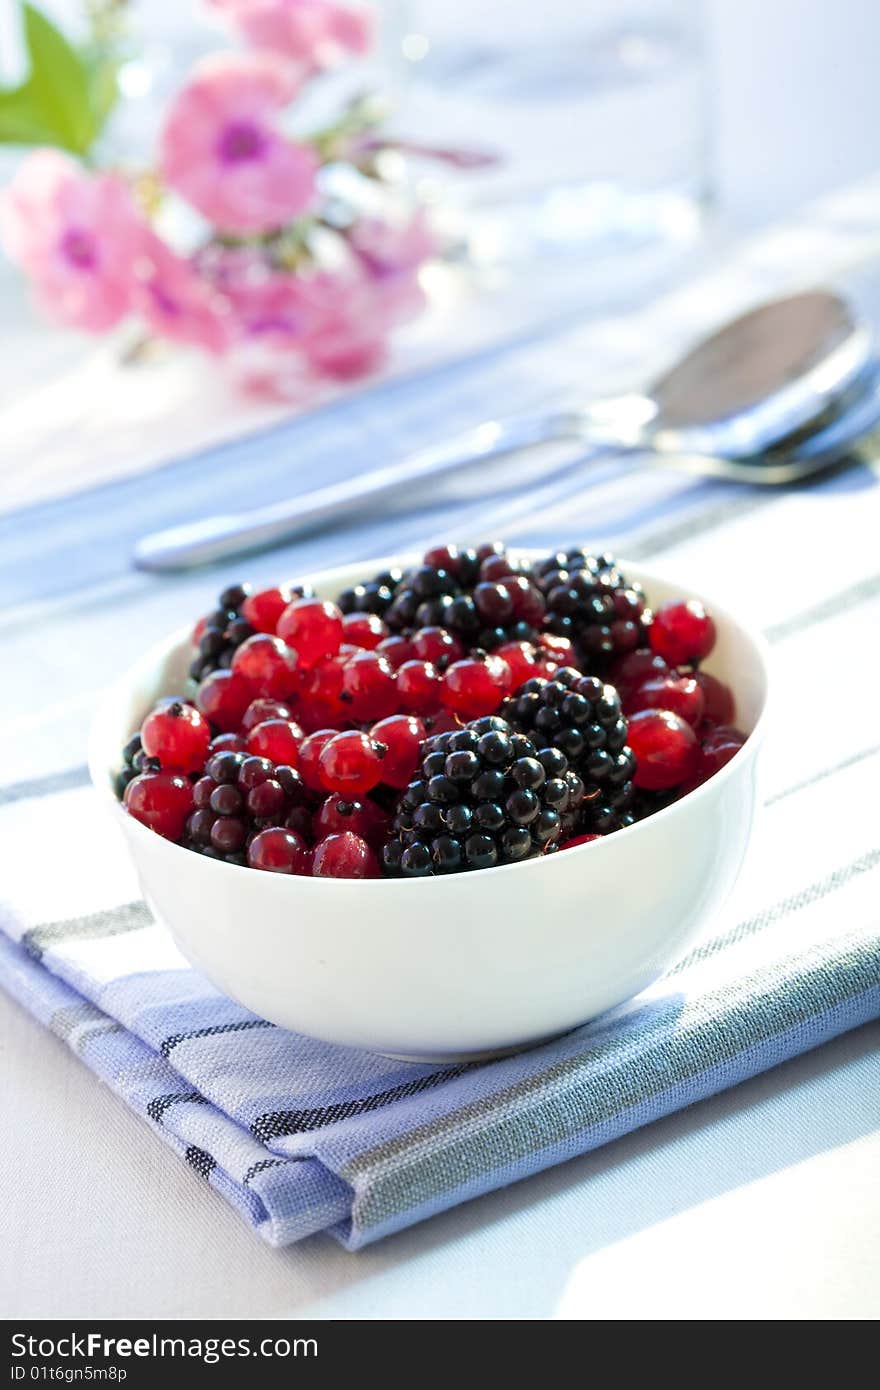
x=474, y=687
x=443, y=722
x=313, y=628
x=561, y=649
x=350, y=763
x=481, y=796
x=162, y=801
x=369, y=690
x=680, y=694
x=635, y=669
x=591, y=601
x=364, y=818
x=223, y=698
x=449, y=558
x=718, y=747
x=718, y=702
x=262, y=610
x=529, y=604
x=258, y=711
x=666, y=749
x=682, y=633
x=403, y=736
x=226, y=743
x=396, y=650
x=269, y=665
x=522, y=661
x=266, y=801
x=278, y=851
x=344, y=856
x=320, y=705
x=493, y=603
x=310, y=755
x=228, y=834
x=220, y=632
x=418, y=687
x=276, y=739
x=178, y=735
x=437, y=645
x=580, y=840
x=364, y=630
x=581, y=716
x=251, y=772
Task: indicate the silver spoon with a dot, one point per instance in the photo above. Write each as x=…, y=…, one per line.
x=766, y=376
x=830, y=444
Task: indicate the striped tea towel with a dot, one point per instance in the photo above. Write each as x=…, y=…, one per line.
x=301, y=1136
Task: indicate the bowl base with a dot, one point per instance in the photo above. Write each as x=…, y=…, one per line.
x=491, y=1054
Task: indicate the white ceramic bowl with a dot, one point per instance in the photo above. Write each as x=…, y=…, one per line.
x=467, y=964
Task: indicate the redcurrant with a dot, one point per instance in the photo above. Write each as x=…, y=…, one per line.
x=278, y=851
x=223, y=698
x=682, y=632
x=350, y=763
x=403, y=736
x=476, y=686
x=162, y=801
x=344, y=856
x=276, y=739
x=178, y=735
x=313, y=628
x=666, y=749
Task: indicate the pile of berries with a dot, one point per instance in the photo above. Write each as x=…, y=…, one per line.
x=478, y=709
x=483, y=795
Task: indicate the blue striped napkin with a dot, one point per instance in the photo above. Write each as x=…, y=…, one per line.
x=300, y=1136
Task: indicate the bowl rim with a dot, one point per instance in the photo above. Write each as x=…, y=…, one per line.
x=101, y=773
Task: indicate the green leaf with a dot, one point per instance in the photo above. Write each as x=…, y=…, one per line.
x=103, y=75
x=54, y=104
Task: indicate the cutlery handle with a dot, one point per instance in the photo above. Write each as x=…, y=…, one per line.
x=216, y=537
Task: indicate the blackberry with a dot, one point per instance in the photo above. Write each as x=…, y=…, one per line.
x=133, y=759
x=238, y=796
x=224, y=630
x=373, y=597
x=484, y=795
x=591, y=602
x=484, y=596
x=581, y=717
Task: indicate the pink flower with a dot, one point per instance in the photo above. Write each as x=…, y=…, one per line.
x=76, y=235
x=316, y=34
x=389, y=249
x=176, y=302
x=221, y=150
x=292, y=332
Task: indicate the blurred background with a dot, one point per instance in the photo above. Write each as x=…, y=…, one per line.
x=583, y=157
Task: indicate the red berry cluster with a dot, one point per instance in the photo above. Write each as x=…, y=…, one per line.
x=307, y=722
x=680, y=718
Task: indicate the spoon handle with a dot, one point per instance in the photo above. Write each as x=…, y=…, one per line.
x=217, y=537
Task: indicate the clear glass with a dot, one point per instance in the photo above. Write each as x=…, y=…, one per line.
x=594, y=109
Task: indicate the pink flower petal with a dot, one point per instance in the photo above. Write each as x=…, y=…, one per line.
x=76, y=235
x=221, y=151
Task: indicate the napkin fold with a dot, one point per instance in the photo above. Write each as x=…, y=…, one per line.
x=300, y=1136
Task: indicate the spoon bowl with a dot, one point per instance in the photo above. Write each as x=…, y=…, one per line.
x=761, y=378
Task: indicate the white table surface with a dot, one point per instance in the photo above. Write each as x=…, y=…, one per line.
x=761, y=1203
